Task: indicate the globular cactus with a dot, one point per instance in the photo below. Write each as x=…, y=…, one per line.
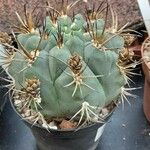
x=74, y=66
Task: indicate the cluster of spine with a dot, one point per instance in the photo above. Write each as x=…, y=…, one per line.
x=74, y=66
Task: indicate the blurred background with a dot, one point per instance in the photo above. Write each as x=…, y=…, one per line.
x=127, y=11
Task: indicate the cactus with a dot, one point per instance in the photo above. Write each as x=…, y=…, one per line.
x=74, y=67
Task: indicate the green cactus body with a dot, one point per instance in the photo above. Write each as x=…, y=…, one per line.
x=65, y=82
x=47, y=90
x=116, y=43
x=50, y=25
x=75, y=44
x=64, y=21
x=106, y=66
x=16, y=69
x=95, y=24
x=57, y=58
x=29, y=41
x=78, y=22
x=95, y=97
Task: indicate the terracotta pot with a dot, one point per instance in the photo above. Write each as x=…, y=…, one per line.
x=137, y=50
x=146, y=69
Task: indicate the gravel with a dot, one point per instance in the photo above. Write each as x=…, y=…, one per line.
x=127, y=11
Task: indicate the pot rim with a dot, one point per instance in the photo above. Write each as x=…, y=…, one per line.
x=142, y=52
x=59, y=130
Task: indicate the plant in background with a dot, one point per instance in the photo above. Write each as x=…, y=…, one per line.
x=73, y=68
x=145, y=52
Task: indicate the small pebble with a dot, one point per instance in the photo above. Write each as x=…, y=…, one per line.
x=52, y=125
x=27, y=113
x=95, y=119
x=23, y=115
x=105, y=111
x=44, y=125
x=17, y=102
x=67, y=124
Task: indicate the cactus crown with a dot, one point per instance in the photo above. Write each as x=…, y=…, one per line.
x=74, y=65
